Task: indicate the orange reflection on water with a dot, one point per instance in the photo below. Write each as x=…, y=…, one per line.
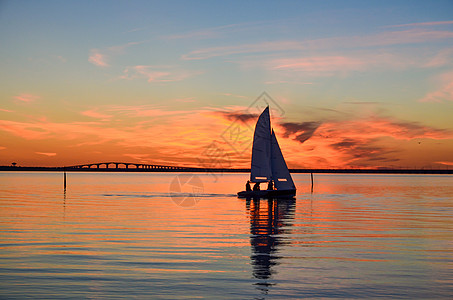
x=124, y=233
x=101, y=216
x=269, y=223
x=373, y=212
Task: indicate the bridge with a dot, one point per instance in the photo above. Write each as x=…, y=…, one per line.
x=113, y=165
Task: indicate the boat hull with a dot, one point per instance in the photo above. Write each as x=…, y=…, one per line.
x=268, y=194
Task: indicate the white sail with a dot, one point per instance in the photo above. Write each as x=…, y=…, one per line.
x=280, y=173
x=261, y=150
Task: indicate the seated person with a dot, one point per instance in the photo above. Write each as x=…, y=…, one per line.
x=256, y=187
x=247, y=186
x=270, y=186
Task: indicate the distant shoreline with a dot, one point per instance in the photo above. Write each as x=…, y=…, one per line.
x=220, y=170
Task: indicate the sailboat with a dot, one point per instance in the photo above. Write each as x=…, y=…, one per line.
x=268, y=163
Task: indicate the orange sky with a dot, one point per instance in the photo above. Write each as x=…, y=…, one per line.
x=214, y=137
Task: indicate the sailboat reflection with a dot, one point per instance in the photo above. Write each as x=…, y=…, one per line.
x=269, y=227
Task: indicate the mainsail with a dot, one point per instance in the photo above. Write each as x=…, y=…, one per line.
x=268, y=162
x=280, y=173
x=261, y=149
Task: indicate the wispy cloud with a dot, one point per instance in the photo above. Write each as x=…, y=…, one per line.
x=171, y=137
x=185, y=100
x=157, y=73
x=376, y=127
x=319, y=63
x=300, y=131
x=443, y=58
x=101, y=57
x=26, y=98
x=97, y=58
x=287, y=82
x=319, y=66
x=138, y=156
x=224, y=30
x=364, y=149
x=62, y=58
x=365, y=142
x=136, y=29
x=374, y=141
x=46, y=153
x=96, y=114
x=212, y=32
x=435, y=23
x=444, y=92
x=400, y=37
x=446, y=163
x=298, y=69
x=157, y=134
x=234, y=116
x=139, y=111
x=234, y=95
x=262, y=47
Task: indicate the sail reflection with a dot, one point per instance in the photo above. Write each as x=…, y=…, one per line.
x=269, y=225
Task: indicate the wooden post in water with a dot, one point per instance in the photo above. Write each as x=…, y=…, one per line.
x=64, y=180
x=311, y=175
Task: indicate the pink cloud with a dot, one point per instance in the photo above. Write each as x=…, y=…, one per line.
x=423, y=24
x=443, y=58
x=157, y=73
x=290, y=69
x=373, y=141
x=446, y=163
x=143, y=111
x=444, y=92
x=400, y=37
x=180, y=137
x=100, y=57
x=219, y=31
x=377, y=127
x=97, y=58
x=95, y=114
x=202, y=34
x=234, y=95
x=185, y=100
x=326, y=65
x=46, y=153
x=62, y=58
x=287, y=82
x=26, y=98
x=246, y=48
x=27, y=131
x=138, y=156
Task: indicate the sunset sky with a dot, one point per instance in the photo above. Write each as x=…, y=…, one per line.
x=350, y=83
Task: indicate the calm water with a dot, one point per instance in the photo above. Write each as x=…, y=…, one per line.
x=118, y=235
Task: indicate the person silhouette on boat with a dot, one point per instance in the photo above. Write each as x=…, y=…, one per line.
x=256, y=187
x=270, y=185
x=247, y=186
